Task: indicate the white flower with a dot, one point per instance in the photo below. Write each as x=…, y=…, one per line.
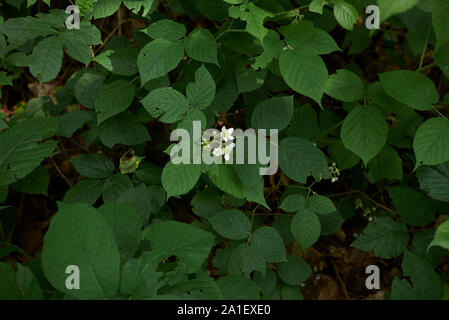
x=218, y=152
x=226, y=134
x=228, y=150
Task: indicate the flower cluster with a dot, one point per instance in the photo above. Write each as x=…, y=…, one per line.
x=221, y=143
x=334, y=172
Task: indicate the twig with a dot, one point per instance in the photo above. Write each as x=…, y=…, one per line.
x=60, y=172
x=340, y=280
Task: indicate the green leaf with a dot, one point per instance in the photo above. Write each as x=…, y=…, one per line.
x=305, y=227
x=20, y=152
x=431, y=142
x=364, y=132
x=34, y=183
x=441, y=237
x=190, y=244
x=295, y=271
x=87, y=88
x=124, y=129
x=157, y=58
x=46, y=59
x=20, y=30
x=254, y=17
x=303, y=34
x=344, y=158
x=321, y=205
x=388, y=238
x=268, y=242
x=8, y=289
x=345, y=14
x=272, y=48
x=167, y=29
x=389, y=8
x=345, y=86
x=79, y=236
x=28, y=284
x=113, y=98
x=231, y=224
x=435, y=181
x=440, y=16
x=293, y=203
x=105, y=8
x=249, y=79
x=179, y=179
x=86, y=191
x=114, y=186
x=93, y=165
x=236, y=287
x=166, y=104
x=317, y=6
x=427, y=284
x=413, y=206
x=299, y=158
x=386, y=164
x=144, y=200
x=273, y=113
x=297, y=66
x=411, y=88
x=72, y=121
x=201, y=45
x=206, y=203
x=201, y=93
x=121, y=61
x=124, y=222
x=139, y=277
x=226, y=179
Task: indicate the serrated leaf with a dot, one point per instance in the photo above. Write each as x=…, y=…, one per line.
x=305, y=227
x=296, y=68
x=93, y=165
x=86, y=191
x=200, y=45
x=435, y=181
x=79, y=236
x=410, y=88
x=295, y=271
x=166, y=104
x=273, y=113
x=167, y=29
x=441, y=237
x=345, y=86
x=201, y=93
x=157, y=58
x=413, y=206
x=124, y=222
x=179, y=179
x=386, y=164
x=345, y=14
x=231, y=224
x=299, y=159
x=431, y=142
x=20, y=152
x=113, y=98
x=46, y=59
x=321, y=205
x=388, y=238
x=268, y=242
x=364, y=132
x=191, y=245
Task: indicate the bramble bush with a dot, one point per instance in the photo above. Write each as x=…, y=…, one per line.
x=363, y=126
